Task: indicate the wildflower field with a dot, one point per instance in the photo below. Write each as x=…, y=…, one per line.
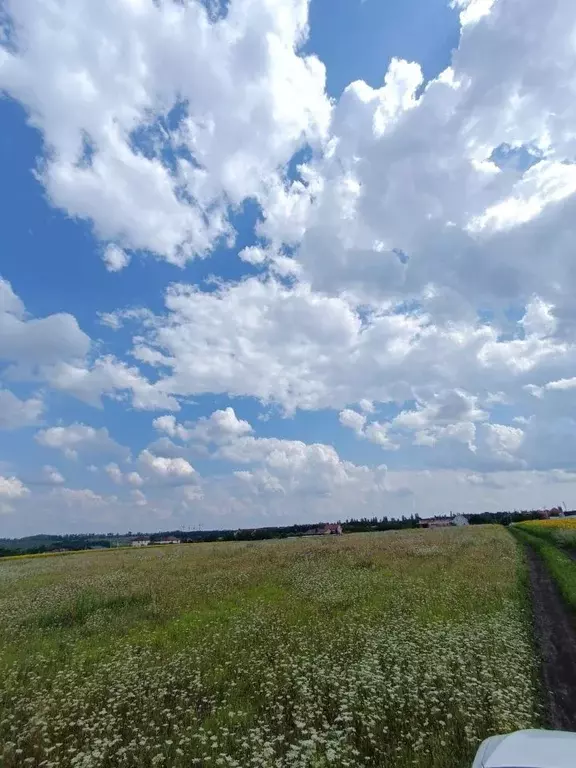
x=386, y=649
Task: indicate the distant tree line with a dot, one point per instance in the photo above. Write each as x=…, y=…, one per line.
x=43, y=543
x=505, y=518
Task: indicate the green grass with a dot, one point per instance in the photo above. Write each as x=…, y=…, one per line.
x=565, y=538
x=560, y=565
x=386, y=649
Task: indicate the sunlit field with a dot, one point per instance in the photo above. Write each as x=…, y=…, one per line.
x=560, y=531
x=559, y=523
x=394, y=649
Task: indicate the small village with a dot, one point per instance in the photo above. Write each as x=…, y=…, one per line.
x=338, y=529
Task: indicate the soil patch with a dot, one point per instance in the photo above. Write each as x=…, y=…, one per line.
x=555, y=633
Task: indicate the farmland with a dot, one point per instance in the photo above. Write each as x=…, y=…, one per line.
x=560, y=531
x=395, y=649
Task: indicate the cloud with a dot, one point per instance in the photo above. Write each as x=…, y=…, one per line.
x=109, y=376
x=181, y=117
x=54, y=349
x=114, y=473
x=167, y=468
x=169, y=425
x=133, y=478
x=12, y=488
x=29, y=344
x=120, y=478
x=82, y=497
x=292, y=346
x=472, y=10
x=352, y=420
x=283, y=467
x=278, y=466
x=412, y=197
x=413, y=273
x=220, y=427
x=254, y=496
x=115, y=258
x=379, y=433
x=16, y=413
x=79, y=438
x=504, y=440
x=374, y=431
x=561, y=385
x=139, y=498
x=52, y=476
x=448, y=415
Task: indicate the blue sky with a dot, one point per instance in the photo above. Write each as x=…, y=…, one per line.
x=318, y=376
x=357, y=40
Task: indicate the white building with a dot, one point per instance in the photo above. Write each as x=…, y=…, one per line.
x=140, y=542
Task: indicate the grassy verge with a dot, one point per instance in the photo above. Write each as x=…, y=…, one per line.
x=561, y=533
x=562, y=568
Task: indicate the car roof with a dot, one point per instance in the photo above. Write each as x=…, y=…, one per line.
x=533, y=749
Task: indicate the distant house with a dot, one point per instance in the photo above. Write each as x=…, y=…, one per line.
x=169, y=540
x=140, y=542
x=325, y=530
x=443, y=522
x=435, y=522
x=554, y=512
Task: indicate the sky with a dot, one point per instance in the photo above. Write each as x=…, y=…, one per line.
x=276, y=261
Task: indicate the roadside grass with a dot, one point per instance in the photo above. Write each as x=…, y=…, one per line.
x=560, y=565
x=561, y=532
x=386, y=649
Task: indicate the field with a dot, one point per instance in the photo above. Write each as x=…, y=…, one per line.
x=395, y=649
x=560, y=531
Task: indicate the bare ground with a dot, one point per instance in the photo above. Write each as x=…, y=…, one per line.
x=555, y=634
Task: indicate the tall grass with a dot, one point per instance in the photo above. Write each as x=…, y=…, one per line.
x=560, y=565
x=397, y=649
x=561, y=532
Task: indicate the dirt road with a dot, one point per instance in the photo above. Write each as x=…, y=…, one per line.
x=555, y=633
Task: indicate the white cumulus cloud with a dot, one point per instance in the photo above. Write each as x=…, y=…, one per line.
x=52, y=476
x=411, y=269
x=16, y=413
x=232, y=100
x=167, y=468
x=12, y=488
x=115, y=258
x=79, y=438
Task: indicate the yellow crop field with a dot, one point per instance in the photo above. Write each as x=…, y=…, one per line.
x=560, y=531
x=562, y=523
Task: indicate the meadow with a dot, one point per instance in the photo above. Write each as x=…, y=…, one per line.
x=387, y=649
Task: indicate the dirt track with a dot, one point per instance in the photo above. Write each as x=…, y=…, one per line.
x=555, y=632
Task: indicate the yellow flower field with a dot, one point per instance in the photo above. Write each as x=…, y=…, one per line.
x=560, y=531
x=563, y=523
